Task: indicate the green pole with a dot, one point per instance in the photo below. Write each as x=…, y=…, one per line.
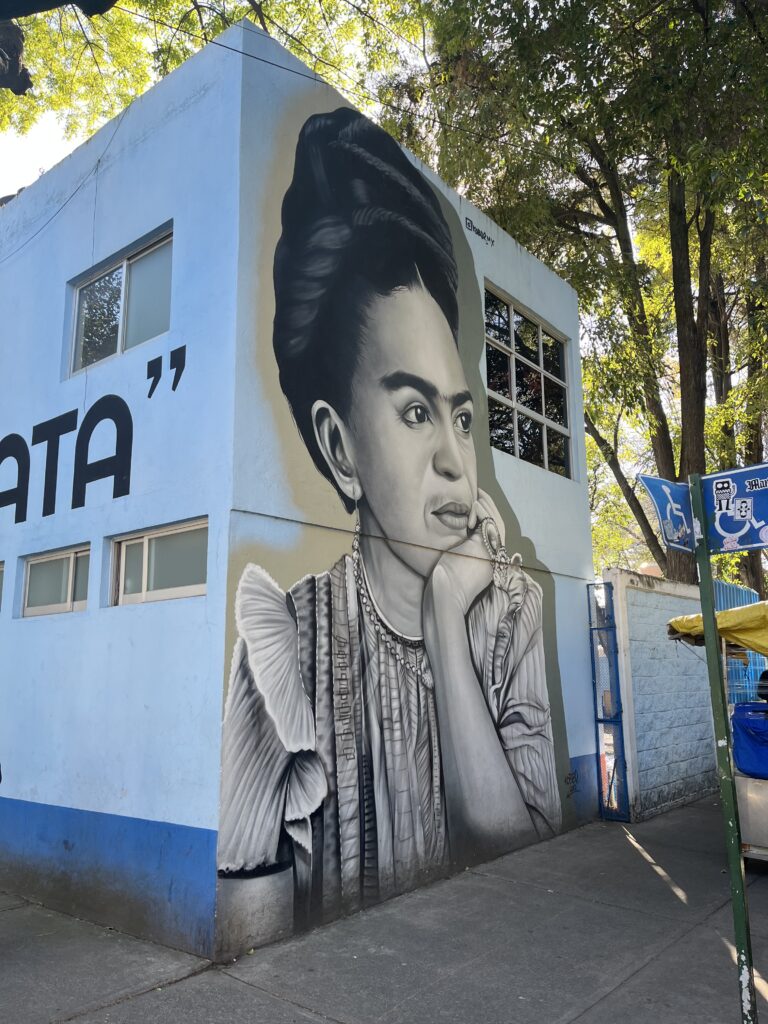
x=724, y=762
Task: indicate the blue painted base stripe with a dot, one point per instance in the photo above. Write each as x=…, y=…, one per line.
x=581, y=792
x=154, y=879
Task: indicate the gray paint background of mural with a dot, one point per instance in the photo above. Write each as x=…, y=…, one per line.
x=333, y=761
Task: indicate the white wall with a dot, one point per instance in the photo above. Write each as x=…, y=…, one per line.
x=553, y=512
x=117, y=709
x=668, y=731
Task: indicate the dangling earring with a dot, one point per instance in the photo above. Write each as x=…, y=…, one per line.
x=356, y=538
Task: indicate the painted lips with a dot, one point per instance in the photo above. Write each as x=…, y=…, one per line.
x=453, y=514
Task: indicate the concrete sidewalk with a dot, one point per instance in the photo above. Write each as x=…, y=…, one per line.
x=598, y=926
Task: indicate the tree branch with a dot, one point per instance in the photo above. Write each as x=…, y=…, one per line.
x=661, y=440
x=608, y=452
x=25, y=8
x=258, y=10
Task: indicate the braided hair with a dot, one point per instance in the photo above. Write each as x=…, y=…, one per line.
x=358, y=222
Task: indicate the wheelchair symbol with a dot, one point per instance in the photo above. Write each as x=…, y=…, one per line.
x=674, y=509
x=731, y=537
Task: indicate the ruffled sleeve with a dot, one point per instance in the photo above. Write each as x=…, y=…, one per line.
x=508, y=652
x=271, y=776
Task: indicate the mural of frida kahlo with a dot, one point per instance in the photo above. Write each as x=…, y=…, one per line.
x=388, y=718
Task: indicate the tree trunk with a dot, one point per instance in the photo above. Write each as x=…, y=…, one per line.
x=691, y=329
x=720, y=365
x=661, y=440
x=752, y=562
x=751, y=572
x=681, y=567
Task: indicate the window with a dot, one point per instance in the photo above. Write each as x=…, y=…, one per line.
x=527, y=389
x=163, y=563
x=124, y=306
x=57, y=582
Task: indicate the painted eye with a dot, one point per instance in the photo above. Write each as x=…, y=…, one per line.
x=416, y=414
x=464, y=421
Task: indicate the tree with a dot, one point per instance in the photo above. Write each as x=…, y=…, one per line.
x=14, y=74
x=624, y=143
x=89, y=70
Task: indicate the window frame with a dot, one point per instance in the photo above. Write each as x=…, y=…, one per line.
x=70, y=605
x=119, y=544
x=518, y=408
x=128, y=257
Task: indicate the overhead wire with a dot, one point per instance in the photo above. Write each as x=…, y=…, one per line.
x=309, y=75
x=312, y=76
x=86, y=177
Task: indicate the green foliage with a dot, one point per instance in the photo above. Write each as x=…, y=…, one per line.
x=85, y=71
x=89, y=70
x=616, y=538
x=579, y=124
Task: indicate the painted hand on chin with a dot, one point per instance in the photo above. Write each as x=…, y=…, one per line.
x=466, y=571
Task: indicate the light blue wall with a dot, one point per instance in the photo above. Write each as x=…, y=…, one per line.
x=115, y=711
x=110, y=732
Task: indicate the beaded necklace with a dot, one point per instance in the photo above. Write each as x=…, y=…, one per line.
x=396, y=643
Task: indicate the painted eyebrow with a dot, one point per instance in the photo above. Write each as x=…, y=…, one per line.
x=400, y=379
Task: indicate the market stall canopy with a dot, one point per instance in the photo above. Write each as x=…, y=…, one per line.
x=745, y=627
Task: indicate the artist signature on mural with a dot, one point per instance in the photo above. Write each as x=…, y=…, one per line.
x=572, y=782
x=471, y=226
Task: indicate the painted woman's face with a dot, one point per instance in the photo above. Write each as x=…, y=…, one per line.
x=410, y=425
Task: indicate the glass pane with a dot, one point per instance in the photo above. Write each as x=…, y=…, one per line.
x=48, y=582
x=98, y=318
x=497, y=319
x=501, y=421
x=2, y=575
x=497, y=370
x=133, y=557
x=528, y=386
x=148, y=301
x=553, y=355
x=80, y=590
x=178, y=559
x=557, y=453
x=527, y=337
x=555, y=405
x=530, y=440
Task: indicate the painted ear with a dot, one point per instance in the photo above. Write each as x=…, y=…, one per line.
x=334, y=442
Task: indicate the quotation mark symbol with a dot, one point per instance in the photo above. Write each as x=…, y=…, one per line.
x=177, y=360
x=154, y=373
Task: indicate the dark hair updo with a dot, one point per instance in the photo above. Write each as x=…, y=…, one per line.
x=359, y=221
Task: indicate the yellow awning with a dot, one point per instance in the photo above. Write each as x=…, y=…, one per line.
x=746, y=626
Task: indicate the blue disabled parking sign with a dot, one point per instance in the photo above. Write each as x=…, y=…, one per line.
x=672, y=502
x=736, y=507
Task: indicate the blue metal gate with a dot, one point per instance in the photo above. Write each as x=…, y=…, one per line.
x=611, y=763
x=744, y=670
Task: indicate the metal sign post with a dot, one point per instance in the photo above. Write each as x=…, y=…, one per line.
x=724, y=755
x=722, y=512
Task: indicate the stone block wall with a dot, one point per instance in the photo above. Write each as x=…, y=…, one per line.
x=669, y=737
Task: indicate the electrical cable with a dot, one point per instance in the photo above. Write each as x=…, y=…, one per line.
x=71, y=196
x=310, y=76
